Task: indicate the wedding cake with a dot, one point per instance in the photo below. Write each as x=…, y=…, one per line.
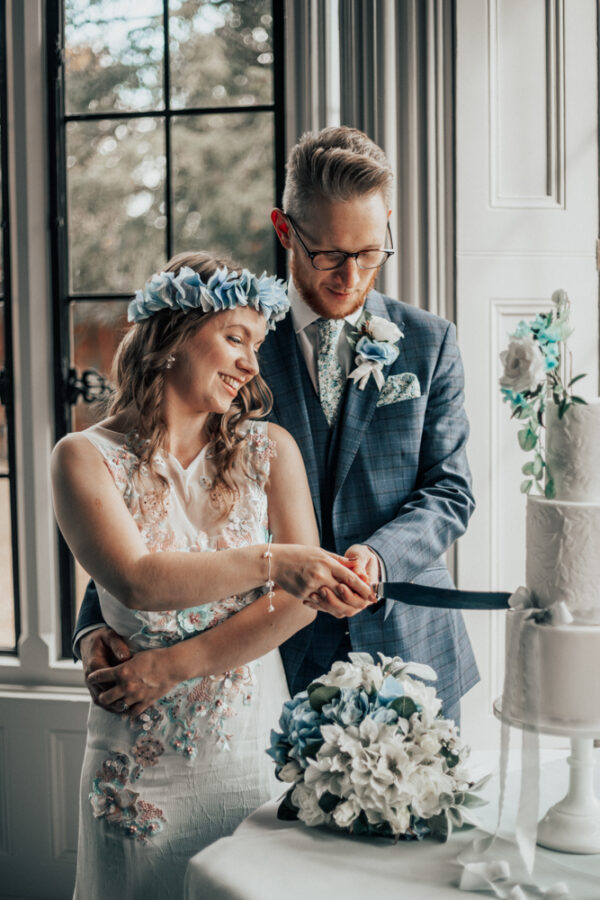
x=552, y=674
x=553, y=641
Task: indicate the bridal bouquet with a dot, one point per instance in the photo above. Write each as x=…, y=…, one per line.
x=366, y=751
x=535, y=371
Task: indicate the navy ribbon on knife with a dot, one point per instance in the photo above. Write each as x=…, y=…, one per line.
x=443, y=598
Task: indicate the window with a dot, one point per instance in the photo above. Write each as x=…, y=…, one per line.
x=166, y=134
x=9, y=582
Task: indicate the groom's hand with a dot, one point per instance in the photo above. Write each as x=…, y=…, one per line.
x=345, y=603
x=100, y=649
x=363, y=559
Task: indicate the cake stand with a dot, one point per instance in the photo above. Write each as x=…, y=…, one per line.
x=573, y=824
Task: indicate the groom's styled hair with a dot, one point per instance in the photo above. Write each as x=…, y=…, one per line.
x=335, y=164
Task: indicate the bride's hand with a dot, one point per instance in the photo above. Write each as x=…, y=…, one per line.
x=136, y=684
x=321, y=579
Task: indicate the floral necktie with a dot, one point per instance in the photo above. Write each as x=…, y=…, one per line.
x=331, y=376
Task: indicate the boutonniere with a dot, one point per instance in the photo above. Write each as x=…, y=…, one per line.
x=375, y=342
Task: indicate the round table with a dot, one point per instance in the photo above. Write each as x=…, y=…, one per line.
x=266, y=859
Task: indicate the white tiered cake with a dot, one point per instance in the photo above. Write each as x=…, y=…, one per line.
x=553, y=670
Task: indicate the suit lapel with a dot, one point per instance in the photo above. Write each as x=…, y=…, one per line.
x=280, y=367
x=359, y=407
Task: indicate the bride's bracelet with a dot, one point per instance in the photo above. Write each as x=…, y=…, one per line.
x=270, y=584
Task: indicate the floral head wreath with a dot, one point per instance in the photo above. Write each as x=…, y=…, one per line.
x=224, y=290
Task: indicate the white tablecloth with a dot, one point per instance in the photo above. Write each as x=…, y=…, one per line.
x=271, y=860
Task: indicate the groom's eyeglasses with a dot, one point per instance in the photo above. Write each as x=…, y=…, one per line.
x=324, y=260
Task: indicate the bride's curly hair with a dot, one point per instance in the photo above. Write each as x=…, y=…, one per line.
x=139, y=369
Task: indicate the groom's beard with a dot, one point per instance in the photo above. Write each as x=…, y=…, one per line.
x=312, y=299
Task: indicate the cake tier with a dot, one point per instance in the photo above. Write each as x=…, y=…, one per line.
x=553, y=675
x=563, y=556
x=572, y=451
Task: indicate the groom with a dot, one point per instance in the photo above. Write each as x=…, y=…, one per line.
x=372, y=391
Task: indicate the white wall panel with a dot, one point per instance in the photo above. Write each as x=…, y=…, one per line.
x=526, y=103
x=64, y=759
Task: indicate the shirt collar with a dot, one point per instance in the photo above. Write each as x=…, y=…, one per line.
x=303, y=315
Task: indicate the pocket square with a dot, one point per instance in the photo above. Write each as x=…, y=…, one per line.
x=399, y=387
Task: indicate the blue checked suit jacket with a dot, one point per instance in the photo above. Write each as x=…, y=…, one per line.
x=392, y=476
x=395, y=477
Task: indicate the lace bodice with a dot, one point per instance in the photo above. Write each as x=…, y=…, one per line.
x=183, y=518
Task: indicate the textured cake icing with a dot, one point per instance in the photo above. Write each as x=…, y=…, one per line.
x=563, y=556
x=553, y=671
x=573, y=450
x=563, y=535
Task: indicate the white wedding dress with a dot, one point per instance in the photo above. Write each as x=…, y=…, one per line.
x=158, y=789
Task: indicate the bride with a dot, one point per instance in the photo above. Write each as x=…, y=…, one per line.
x=184, y=466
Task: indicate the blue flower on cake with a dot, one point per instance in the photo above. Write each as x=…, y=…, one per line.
x=365, y=750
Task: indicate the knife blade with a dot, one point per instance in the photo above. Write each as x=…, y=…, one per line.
x=443, y=598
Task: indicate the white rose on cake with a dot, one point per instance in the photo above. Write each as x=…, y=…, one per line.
x=523, y=366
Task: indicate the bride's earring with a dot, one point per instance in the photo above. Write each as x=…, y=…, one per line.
x=170, y=361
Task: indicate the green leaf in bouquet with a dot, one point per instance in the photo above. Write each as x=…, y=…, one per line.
x=576, y=399
x=576, y=378
x=550, y=490
x=527, y=439
x=328, y=802
x=287, y=811
x=473, y=800
x=312, y=748
x=527, y=468
x=478, y=785
x=404, y=706
x=562, y=408
x=321, y=695
x=526, y=486
x=452, y=759
x=439, y=826
x=538, y=466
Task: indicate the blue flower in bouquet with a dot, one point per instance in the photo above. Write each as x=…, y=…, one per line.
x=300, y=731
x=349, y=708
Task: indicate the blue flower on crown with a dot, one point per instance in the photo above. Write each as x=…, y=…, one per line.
x=224, y=290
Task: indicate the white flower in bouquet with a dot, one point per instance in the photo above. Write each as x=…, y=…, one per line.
x=345, y=674
x=370, y=754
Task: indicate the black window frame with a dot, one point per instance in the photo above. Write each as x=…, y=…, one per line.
x=7, y=373
x=65, y=378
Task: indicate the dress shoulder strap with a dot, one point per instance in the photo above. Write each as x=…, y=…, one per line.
x=261, y=449
x=117, y=453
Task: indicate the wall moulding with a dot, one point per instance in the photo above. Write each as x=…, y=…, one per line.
x=526, y=86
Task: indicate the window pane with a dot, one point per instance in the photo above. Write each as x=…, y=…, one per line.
x=115, y=180
x=223, y=186
x=97, y=329
x=221, y=53
x=3, y=442
x=7, y=603
x=113, y=55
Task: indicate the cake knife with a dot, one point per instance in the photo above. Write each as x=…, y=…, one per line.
x=444, y=598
